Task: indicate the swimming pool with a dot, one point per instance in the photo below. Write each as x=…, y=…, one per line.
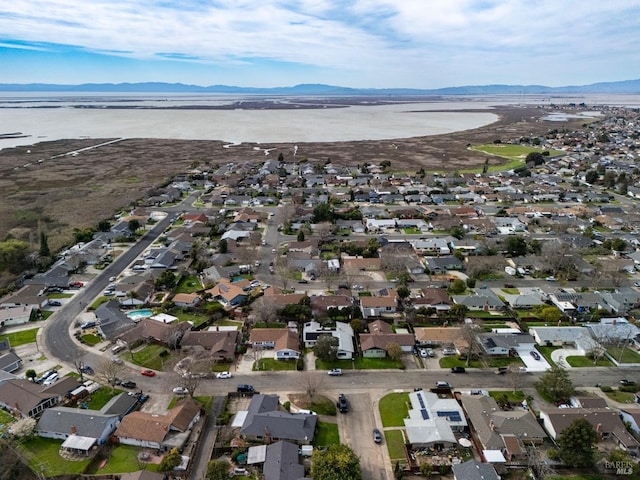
x=139, y=314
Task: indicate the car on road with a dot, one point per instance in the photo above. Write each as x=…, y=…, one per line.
x=108, y=293
x=627, y=383
x=442, y=384
x=458, y=370
x=243, y=388
x=335, y=372
x=550, y=278
x=87, y=369
x=223, y=375
x=343, y=405
x=117, y=360
x=148, y=373
x=55, y=303
x=181, y=391
x=128, y=384
x=377, y=436
x=535, y=355
x=303, y=281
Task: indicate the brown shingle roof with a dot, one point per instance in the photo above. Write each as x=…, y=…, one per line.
x=144, y=426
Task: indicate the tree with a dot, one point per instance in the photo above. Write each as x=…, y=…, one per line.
x=133, y=226
x=323, y=212
x=300, y=235
x=394, y=350
x=535, y=158
x=458, y=311
x=403, y=292
x=24, y=427
x=223, y=246
x=516, y=246
x=104, y=226
x=44, y=245
x=108, y=370
x=457, y=231
x=337, y=462
x=457, y=287
x=326, y=348
x=576, y=445
x=312, y=385
x=555, y=385
x=170, y=460
x=31, y=374
x=218, y=469
x=591, y=177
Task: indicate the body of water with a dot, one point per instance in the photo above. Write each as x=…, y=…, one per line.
x=42, y=117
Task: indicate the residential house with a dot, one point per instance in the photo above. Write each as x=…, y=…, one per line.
x=16, y=315
x=282, y=340
x=186, y=300
x=474, y=470
x=483, y=300
x=265, y=421
x=438, y=265
x=504, y=431
x=152, y=331
x=437, y=298
x=376, y=342
x=358, y=264
x=605, y=421
x=503, y=344
x=227, y=293
x=281, y=462
x=372, y=307
x=342, y=331
x=9, y=359
x=576, y=337
x=320, y=304
x=433, y=421
x=220, y=344
x=24, y=398
x=449, y=337
x=111, y=321
x=630, y=415
x=160, y=432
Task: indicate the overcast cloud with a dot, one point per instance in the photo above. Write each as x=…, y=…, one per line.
x=355, y=43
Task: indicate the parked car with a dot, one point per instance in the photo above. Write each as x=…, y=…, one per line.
x=243, y=388
x=128, y=384
x=430, y=352
x=55, y=303
x=343, y=405
x=117, y=360
x=51, y=379
x=423, y=352
x=534, y=355
x=449, y=351
x=148, y=373
x=550, y=278
x=502, y=370
x=180, y=390
x=377, y=436
x=442, y=384
x=303, y=281
x=335, y=372
x=627, y=383
x=458, y=370
x=223, y=375
x=87, y=369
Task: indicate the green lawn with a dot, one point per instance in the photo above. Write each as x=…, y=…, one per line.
x=148, y=357
x=326, y=434
x=582, y=361
x=511, y=291
x=394, y=408
x=517, y=396
x=323, y=406
x=412, y=231
x=628, y=356
x=195, y=318
x=189, y=284
x=100, y=397
x=21, y=337
x=60, y=295
x=42, y=453
x=271, y=364
x=91, y=339
x=123, y=458
x=546, y=353
x=622, y=397
x=514, y=153
x=395, y=444
x=454, y=361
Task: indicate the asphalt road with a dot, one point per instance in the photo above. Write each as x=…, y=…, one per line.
x=55, y=334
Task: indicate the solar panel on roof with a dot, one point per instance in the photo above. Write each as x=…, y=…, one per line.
x=452, y=415
x=421, y=401
x=425, y=414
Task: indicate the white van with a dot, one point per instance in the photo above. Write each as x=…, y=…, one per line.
x=117, y=349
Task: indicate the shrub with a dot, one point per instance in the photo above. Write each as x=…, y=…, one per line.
x=164, y=353
x=287, y=406
x=606, y=389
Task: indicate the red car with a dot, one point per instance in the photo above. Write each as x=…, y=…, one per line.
x=148, y=373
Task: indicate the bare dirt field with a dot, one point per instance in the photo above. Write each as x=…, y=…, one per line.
x=51, y=186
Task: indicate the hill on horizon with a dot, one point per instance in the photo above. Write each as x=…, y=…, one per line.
x=620, y=87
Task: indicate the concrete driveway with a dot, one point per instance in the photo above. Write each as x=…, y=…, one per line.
x=531, y=363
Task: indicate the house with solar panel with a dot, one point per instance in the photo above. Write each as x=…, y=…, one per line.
x=433, y=421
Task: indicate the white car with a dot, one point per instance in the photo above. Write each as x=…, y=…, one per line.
x=335, y=372
x=180, y=390
x=223, y=375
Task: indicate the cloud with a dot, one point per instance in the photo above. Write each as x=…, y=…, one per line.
x=376, y=41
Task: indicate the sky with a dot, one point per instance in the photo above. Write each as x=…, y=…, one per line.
x=350, y=43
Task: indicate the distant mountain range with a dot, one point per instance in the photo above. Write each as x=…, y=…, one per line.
x=626, y=86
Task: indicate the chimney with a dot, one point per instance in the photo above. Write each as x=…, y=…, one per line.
x=74, y=430
x=492, y=425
